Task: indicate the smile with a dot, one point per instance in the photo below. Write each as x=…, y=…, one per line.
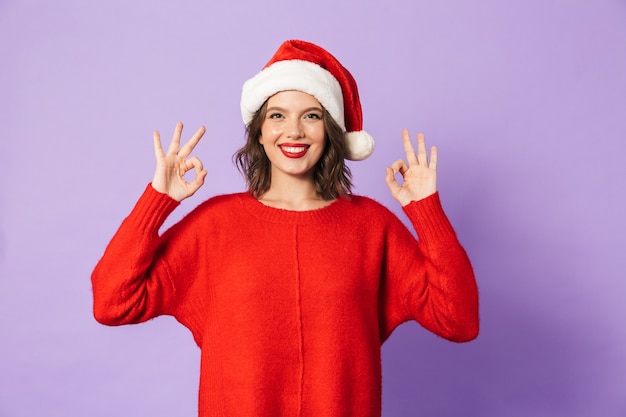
x=294, y=151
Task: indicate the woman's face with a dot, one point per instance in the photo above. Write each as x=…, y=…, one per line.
x=293, y=133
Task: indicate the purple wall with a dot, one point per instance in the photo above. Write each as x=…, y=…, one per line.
x=525, y=100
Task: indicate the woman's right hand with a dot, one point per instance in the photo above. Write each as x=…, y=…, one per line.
x=171, y=167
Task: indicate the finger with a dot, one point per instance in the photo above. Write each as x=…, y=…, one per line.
x=192, y=163
x=191, y=144
x=399, y=167
x=175, y=143
x=433, y=157
x=408, y=148
x=158, y=149
x=422, y=157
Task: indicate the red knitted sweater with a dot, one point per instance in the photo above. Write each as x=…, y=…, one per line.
x=288, y=308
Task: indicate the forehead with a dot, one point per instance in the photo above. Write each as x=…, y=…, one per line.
x=293, y=98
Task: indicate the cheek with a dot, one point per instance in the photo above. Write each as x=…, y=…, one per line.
x=267, y=134
x=318, y=134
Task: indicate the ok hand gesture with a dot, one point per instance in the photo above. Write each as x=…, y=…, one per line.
x=171, y=167
x=419, y=177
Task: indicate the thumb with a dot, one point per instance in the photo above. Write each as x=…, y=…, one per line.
x=198, y=181
x=392, y=183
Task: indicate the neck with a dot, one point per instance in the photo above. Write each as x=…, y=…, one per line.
x=293, y=193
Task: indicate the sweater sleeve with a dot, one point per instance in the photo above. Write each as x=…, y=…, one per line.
x=133, y=282
x=435, y=284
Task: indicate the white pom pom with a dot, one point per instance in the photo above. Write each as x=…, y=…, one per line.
x=359, y=145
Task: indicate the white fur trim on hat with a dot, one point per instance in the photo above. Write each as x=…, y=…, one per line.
x=296, y=75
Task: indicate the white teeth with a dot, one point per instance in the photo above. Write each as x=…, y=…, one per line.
x=293, y=149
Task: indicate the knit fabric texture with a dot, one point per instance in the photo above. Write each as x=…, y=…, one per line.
x=288, y=308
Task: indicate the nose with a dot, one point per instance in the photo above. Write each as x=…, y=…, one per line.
x=294, y=129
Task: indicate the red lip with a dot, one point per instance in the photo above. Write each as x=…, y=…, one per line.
x=293, y=150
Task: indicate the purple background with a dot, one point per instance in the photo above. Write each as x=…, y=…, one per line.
x=525, y=100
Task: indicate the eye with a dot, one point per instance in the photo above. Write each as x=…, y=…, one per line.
x=314, y=116
x=274, y=116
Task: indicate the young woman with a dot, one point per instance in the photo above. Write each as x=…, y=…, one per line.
x=290, y=288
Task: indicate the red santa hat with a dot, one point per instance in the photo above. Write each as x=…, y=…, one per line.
x=303, y=66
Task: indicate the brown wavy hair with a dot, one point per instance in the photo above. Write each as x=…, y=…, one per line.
x=332, y=177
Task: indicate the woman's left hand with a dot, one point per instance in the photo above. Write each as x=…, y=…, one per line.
x=419, y=177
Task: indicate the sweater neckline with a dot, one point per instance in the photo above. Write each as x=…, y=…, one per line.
x=329, y=213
